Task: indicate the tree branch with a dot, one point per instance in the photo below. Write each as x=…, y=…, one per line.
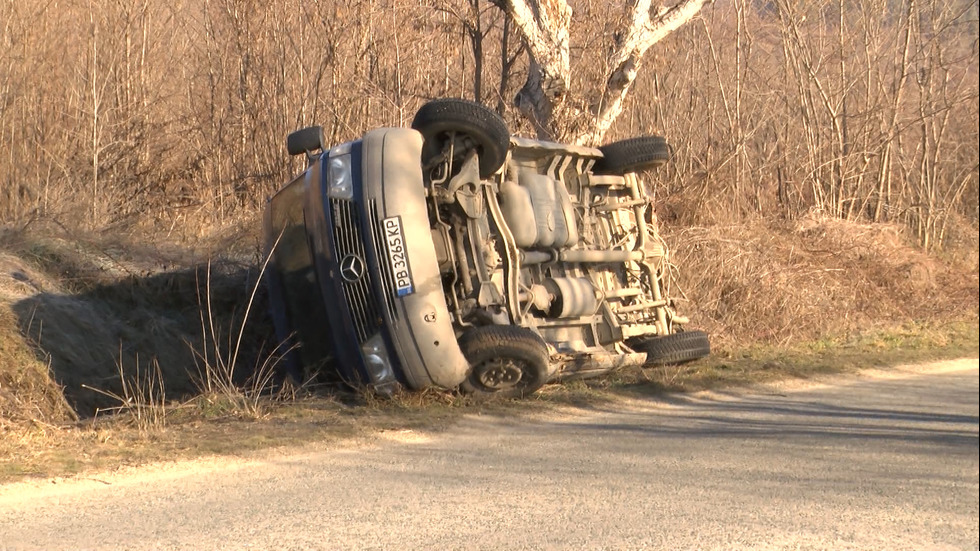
x=647, y=25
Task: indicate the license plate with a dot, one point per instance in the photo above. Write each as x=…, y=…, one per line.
x=398, y=256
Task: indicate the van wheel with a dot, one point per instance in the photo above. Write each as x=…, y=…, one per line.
x=505, y=361
x=474, y=126
x=673, y=349
x=633, y=155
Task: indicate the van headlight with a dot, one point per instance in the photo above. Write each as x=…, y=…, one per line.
x=376, y=360
x=340, y=184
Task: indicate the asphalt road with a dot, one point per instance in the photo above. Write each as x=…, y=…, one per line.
x=874, y=462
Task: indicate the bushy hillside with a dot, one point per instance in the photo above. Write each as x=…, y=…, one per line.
x=174, y=115
x=784, y=282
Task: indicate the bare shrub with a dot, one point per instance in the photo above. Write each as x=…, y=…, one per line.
x=786, y=282
x=221, y=378
x=142, y=398
x=173, y=116
x=864, y=112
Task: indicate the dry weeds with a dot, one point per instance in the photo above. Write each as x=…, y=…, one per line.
x=27, y=392
x=786, y=282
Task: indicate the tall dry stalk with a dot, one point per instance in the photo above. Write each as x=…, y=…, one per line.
x=219, y=369
x=142, y=395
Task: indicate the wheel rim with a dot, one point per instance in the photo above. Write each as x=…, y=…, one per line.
x=499, y=374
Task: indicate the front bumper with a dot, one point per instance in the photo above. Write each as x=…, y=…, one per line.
x=416, y=314
x=399, y=292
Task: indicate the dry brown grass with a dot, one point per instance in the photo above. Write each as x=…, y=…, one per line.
x=785, y=282
x=28, y=394
x=73, y=311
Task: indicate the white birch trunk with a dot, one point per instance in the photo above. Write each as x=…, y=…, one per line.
x=544, y=25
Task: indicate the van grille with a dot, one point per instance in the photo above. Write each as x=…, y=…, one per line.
x=361, y=302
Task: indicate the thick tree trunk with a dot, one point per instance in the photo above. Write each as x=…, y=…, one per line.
x=544, y=25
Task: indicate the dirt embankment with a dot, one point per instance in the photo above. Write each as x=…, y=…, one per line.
x=73, y=311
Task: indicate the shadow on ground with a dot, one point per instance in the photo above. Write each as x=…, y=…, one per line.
x=139, y=324
x=817, y=415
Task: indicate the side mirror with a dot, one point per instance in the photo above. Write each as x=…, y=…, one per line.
x=306, y=140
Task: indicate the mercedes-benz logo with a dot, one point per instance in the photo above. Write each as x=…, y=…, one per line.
x=351, y=268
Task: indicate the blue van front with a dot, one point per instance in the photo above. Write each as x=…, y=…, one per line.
x=375, y=265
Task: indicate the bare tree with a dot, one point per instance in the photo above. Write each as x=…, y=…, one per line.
x=545, y=25
x=175, y=113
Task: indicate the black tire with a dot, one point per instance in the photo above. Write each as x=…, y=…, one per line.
x=674, y=349
x=485, y=129
x=633, y=155
x=505, y=361
x=305, y=141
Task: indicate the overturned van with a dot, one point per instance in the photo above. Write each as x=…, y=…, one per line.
x=454, y=255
